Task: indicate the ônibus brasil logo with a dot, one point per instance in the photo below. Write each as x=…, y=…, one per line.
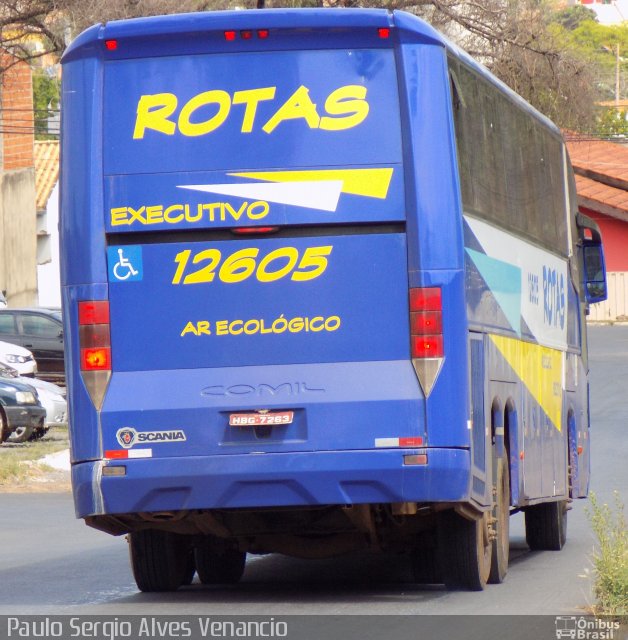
x=128, y=436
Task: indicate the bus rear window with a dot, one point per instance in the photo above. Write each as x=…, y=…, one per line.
x=241, y=140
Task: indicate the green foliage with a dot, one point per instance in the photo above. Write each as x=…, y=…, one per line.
x=606, y=48
x=612, y=123
x=572, y=17
x=610, y=557
x=45, y=98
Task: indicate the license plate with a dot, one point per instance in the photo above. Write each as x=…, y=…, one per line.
x=260, y=419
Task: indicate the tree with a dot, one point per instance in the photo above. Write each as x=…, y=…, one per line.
x=519, y=40
x=605, y=47
x=612, y=123
x=45, y=103
x=31, y=29
x=571, y=18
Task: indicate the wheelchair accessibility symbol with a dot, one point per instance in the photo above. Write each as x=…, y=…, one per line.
x=125, y=264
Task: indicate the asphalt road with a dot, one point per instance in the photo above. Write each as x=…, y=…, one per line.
x=52, y=563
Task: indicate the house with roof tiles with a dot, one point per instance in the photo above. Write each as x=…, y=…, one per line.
x=601, y=170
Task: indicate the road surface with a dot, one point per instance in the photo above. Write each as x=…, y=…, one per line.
x=51, y=563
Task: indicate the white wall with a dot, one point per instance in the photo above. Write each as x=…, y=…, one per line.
x=615, y=308
x=48, y=275
x=18, y=243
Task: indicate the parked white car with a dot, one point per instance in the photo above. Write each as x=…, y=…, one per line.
x=18, y=358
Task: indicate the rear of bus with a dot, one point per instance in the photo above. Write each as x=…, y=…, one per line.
x=262, y=273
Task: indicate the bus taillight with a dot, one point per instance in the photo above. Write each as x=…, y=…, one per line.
x=95, y=346
x=426, y=334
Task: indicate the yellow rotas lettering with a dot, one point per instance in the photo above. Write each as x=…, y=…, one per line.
x=220, y=98
x=298, y=105
x=348, y=102
x=251, y=99
x=345, y=107
x=153, y=112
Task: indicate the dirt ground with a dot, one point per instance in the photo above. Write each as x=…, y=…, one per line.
x=34, y=477
x=41, y=482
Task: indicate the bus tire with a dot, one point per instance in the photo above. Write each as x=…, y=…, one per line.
x=217, y=564
x=464, y=551
x=158, y=560
x=424, y=560
x=546, y=526
x=500, y=550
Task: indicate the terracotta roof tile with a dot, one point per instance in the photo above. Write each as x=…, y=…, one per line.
x=46, y=170
x=600, y=197
x=599, y=159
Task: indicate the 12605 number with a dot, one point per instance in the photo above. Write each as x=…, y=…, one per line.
x=202, y=267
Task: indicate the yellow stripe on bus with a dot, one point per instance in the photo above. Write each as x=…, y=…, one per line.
x=541, y=371
x=372, y=183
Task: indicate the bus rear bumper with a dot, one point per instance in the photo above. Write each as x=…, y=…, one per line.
x=270, y=480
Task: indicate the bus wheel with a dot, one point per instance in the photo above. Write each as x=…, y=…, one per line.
x=464, y=550
x=217, y=564
x=501, y=518
x=546, y=526
x=424, y=559
x=158, y=559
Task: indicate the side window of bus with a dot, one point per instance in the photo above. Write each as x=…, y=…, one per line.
x=511, y=168
x=461, y=109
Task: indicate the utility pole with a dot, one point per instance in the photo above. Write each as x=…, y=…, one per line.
x=617, y=76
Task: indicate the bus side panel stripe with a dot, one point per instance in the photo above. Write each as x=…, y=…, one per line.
x=540, y=369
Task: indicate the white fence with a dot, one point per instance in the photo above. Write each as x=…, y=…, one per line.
x=615, y=308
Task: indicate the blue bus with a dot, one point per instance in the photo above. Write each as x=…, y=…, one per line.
x=325, y=287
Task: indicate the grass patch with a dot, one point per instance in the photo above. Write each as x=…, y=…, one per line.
x=610, y=556
x=18, y=462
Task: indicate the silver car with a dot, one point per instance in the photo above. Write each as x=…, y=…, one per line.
x=51, y=397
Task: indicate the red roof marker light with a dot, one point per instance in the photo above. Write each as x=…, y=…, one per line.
x=383, y=32
x=230, y=36
x=111, y=45
x=263, y=33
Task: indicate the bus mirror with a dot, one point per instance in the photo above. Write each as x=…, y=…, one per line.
x=595, y=271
